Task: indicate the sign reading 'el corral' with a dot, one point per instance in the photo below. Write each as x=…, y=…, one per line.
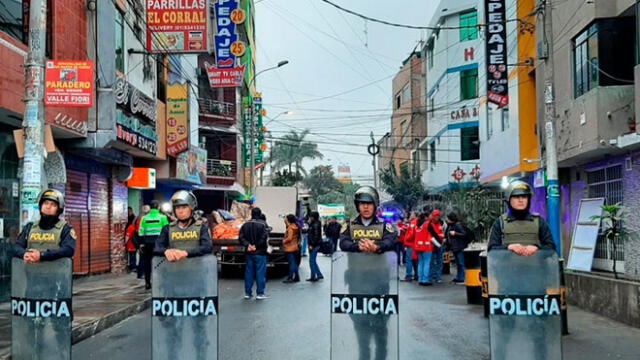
x=136, y=117
x=177, y=26
x=496, y=42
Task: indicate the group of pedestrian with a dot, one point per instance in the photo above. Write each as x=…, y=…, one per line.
x=426, y=238
x=294, y=246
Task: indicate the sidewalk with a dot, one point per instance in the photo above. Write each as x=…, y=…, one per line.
x=99, y=302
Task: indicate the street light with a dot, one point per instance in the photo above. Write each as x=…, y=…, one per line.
x=288, y=112
x=252, y=163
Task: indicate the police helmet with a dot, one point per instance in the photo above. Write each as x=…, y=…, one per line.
x=367, y=194
x=518, y=188
x=184, y=197
x=53, y=195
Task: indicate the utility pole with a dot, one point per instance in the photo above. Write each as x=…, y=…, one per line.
x=32, y=165
x=553, y=189
x=374, y=149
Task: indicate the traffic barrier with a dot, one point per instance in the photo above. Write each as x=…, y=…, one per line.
x=472, y=276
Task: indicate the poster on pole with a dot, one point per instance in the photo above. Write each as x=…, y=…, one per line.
x=177, y=119
x=69, y=83
x=496, y=45
x=178, y=26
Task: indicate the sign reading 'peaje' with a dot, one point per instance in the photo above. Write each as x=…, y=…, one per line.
x=177, y=26
x=496, y=42
x=69, y=83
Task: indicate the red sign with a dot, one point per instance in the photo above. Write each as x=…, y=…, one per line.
x=178, y=26
x=458, y=174
x=69, y=83
x=226, y=77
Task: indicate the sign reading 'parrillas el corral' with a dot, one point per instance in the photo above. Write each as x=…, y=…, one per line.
x=178, y=26
x=135, y=117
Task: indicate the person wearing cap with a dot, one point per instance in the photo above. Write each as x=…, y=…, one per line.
x=366, y=233
x=187, y=236
x=49, y=238
x=151, y=227
x=519, y=230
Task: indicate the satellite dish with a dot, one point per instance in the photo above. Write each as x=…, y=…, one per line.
x=123, y=173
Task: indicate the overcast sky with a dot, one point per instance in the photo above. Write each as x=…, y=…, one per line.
x=338, y=80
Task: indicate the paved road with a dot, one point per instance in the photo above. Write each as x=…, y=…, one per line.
x=436, y=323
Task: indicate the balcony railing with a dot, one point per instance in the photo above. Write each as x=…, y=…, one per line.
x=221, y=168
x=217, y=109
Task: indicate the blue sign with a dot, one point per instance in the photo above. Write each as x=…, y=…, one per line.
x=226, y=33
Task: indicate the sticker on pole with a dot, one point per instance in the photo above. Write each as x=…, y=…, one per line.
x=69, y=83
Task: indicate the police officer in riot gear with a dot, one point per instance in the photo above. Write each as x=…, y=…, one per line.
x=519, y=230
x=187, y=236
x=49, y=238
x=366, y=233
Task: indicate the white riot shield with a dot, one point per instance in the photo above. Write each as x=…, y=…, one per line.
x=364, y=306
x=41, y=313
x=524, y=306
x=184, y=308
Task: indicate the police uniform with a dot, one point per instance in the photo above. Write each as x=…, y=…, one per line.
x=54, y=243
x=384, y=234
x=532, y=230
x=194, y=239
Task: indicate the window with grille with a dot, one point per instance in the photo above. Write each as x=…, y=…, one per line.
x=607, y=183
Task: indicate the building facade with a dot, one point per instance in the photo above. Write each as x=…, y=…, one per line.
x=452, y=57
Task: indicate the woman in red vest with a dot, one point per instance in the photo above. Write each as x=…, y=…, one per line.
x=436, y=231
x=423, y=248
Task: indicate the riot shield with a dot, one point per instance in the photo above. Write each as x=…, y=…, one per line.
x=524, y=306
x=41, y=312
x=364, y=306
x=184, y=308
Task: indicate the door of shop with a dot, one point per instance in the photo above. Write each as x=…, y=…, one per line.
x=87, y=210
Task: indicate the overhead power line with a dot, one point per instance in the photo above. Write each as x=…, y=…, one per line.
x=389, y=23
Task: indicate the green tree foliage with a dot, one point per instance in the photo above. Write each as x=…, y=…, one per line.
x=285, y=178
x=291, y=150
x=406, y=188
x=344, y=196
x=321, y=180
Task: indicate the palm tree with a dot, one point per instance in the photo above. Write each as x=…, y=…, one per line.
x=292, y=149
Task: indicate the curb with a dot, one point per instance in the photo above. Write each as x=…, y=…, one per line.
x=91, y=328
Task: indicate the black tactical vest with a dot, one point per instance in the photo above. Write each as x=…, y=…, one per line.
x=185, y=239
x=523, y=232
x=43, y=240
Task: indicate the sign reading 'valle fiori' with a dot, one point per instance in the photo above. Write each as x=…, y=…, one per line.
x=177, y=26
x=69, y=83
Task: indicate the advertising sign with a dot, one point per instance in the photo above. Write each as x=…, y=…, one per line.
x=177, y=119
x=142, y=178
x=331, y=210
x=69, y=83
x=496, y=44
x=226, y=77
x=192, y=165
x=178, y=26
x=227, y=43
x=134, y=133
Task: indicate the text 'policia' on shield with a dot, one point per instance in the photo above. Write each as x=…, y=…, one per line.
x=364, y=304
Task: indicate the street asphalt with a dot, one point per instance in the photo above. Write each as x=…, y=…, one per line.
x=435, y=323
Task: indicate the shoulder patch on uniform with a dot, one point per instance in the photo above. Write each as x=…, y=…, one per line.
x=72, y=233
x=390, y=228
x=344, y=228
